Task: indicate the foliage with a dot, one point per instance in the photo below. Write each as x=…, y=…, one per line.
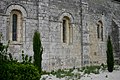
x=103, y=67
x=38, y=50
x=110, y=58
x=62, y=73
x=4, y=54
x=18, y=71
x=10, y=69
x=45, y=72
x=91, y=69
x=116, y=67
x=26, y=59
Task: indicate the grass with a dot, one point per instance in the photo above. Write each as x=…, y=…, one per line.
x=91, y=69
x=62, y=73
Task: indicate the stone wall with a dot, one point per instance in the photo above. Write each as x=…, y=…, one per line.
x=56, y=53
x=46, y=16
x=106, y=11
x=28, y=8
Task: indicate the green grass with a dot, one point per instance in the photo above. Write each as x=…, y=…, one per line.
x=62, y=73
x=91, y=69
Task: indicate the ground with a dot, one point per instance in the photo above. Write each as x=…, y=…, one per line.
x=103, y=75
x=115, y=75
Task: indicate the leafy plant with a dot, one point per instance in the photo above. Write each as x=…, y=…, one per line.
x=10, y=69
x=26, y=59
x=18, y=71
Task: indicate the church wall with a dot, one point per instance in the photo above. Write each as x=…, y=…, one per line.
x=98, y=12
x=59, y=55
x=105, y=11
x=46, y=16
x=29, y=25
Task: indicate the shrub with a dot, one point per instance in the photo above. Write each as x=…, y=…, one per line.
x=10, y=69
x=38, y=50
x=18, y=71
x=110, y=58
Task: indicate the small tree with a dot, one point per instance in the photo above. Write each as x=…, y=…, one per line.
x=38, y=50
x=110, y=58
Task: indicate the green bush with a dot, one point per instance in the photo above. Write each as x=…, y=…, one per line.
x=10, y=69
x=18, y=71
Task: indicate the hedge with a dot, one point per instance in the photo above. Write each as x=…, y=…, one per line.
x=18, y=71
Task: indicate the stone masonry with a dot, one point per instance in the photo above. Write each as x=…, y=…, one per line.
x=86, y=47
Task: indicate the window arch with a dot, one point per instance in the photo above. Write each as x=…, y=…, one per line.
x=100, y=30
x=15, y=26
x=66, y=30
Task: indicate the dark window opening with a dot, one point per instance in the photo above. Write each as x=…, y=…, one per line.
x=64, y=31
x=14, y=27
x=98, y=31
x=117, y=0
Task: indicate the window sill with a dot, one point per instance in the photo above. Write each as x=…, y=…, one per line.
x=66, y=44
x=15, y=43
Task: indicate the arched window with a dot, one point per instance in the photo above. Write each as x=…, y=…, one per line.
x=100, y=30
x=15, y=29
x=67, y=30
x=64, y=31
